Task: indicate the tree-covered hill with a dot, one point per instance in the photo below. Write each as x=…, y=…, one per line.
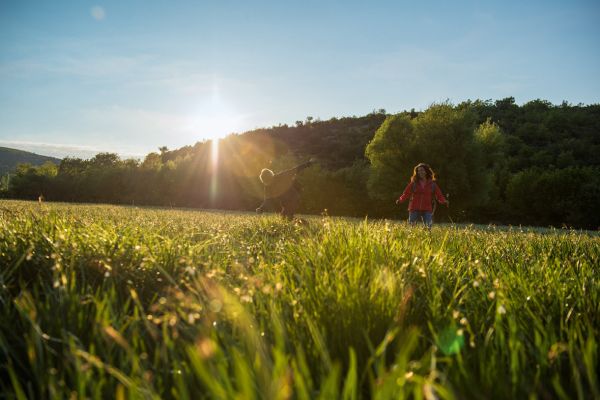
x=10, y=158
x=534, y=164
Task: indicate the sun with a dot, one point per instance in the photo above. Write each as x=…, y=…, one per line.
x=215, y=117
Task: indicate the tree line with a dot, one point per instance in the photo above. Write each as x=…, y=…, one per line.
x=503, y=163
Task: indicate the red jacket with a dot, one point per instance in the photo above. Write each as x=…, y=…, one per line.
x=420, y=199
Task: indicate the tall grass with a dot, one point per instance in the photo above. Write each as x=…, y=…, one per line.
x=102, y=302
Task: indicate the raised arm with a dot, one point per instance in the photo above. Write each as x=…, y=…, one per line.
x=296, y=169
x=304, y=165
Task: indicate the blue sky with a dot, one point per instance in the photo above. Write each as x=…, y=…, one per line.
x=79, y=77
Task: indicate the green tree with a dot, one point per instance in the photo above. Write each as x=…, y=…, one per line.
x=492, y=141
x=30, y=181
x=566, y=196
x=342, y=192
x=443, y=136
x=4, y=184
x=390, y=154
x=105, y=160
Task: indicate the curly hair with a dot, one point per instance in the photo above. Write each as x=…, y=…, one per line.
x=266, y=176
x=428, y=171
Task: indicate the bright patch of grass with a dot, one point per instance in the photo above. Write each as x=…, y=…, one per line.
x=102, y=301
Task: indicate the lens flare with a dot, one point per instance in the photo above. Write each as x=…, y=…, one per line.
x=98, y=13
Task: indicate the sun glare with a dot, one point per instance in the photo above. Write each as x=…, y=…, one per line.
x=214, y=161
x=214, y=153
x=215, y=117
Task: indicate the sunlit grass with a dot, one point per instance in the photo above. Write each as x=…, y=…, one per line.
x=103, y=301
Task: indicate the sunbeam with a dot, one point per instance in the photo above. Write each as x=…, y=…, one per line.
x=214, y=164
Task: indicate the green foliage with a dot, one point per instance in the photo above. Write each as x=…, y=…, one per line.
x=390, y=154
x=104, y=301
x=443, y=136
x=343, y=192
x=543, y=135
x=492, y=142
x=30, y=182
x=476, y=148
x=569, y=196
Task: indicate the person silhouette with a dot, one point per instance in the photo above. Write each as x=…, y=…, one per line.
x=281, y=190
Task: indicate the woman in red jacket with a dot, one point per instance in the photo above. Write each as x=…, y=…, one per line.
x=420, y=190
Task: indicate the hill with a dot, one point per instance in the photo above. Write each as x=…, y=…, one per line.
x=10, y=158
x=534, y=164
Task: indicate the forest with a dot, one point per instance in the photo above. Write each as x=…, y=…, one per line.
x=500, y=163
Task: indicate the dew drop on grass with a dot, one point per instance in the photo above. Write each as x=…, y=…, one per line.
x=246, y=299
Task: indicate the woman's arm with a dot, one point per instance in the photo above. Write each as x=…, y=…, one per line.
x=304, y=165
x=406, y=194
x=439, y=196
x=296, y=169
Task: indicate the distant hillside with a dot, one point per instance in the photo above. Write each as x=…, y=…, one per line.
x=9, y=158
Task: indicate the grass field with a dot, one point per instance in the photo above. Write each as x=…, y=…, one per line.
x=119, y=302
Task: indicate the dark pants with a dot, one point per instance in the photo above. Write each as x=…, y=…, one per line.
x=290, y=202
x=287, y=203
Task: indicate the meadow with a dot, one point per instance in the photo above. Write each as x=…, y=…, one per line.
x=101, y=301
